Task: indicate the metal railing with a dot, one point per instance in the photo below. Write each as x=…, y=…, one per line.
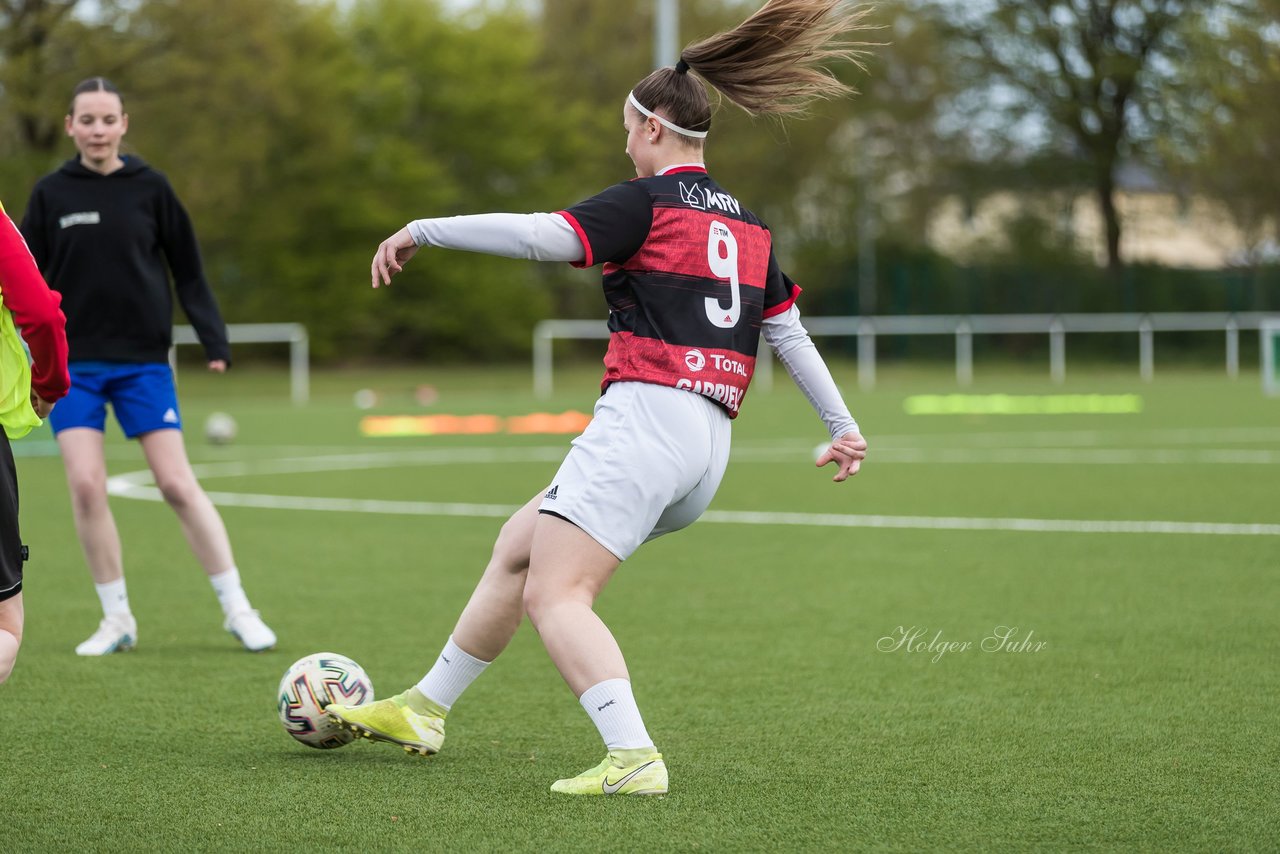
x=1271, y=355
x=963, y=328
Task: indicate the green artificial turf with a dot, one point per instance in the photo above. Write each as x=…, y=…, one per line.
x=1139, y=715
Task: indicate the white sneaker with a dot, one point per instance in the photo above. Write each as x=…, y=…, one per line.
x=116, y=633
x=249, y=629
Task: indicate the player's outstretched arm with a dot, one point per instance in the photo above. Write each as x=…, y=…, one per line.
x=535, y=237
x=393, y=253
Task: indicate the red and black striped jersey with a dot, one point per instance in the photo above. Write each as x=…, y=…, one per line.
x=689, y=274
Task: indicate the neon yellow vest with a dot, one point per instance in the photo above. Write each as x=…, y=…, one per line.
x=16, y=414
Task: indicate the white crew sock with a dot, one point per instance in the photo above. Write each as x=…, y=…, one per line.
x=230, y=594
x=114, y=597
x=453, y=671
x=613, y=710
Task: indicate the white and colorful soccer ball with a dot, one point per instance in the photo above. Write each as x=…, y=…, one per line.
x=313, y=683
x=220, y=429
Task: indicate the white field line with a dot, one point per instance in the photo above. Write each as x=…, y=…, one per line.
x=140, y=485
x=1173, y=436
x=1096, y=438
x=338, y=505
x=758, y=454
x=758, y=449
x=965, y=523
x=942, y=441
x=1050, y=439
x=1039, y=456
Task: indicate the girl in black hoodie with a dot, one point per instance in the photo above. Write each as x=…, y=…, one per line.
x=107, y=230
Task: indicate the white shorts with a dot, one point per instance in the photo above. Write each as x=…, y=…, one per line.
x=648, y=464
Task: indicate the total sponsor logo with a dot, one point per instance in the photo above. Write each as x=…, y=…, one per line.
x=704, y=199
x=728, y=395
x=696, y=360
x=729, y=366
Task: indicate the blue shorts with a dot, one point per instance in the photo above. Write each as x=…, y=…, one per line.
x=142, y=397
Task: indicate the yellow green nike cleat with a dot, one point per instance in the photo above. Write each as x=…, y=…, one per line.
x=391, y=721
x=619, y=776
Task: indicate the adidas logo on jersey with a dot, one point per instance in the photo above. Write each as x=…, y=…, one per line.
x=170, y=416
x=551, y=493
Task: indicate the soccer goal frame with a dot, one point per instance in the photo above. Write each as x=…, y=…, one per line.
x=293, y=334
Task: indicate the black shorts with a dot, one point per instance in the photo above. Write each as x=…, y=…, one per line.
x=10, y=540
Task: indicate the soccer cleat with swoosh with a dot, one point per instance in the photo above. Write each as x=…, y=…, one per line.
x=612, y=777
x=392, y=721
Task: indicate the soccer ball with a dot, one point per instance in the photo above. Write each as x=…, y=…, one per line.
x=313, y=683
x=220, y=429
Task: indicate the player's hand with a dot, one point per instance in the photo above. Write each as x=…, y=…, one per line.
x=40, y=405
x=218, y=366
x=393, y=253
x=848, y=452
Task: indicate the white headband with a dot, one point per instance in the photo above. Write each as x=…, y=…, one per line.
x=696, y=134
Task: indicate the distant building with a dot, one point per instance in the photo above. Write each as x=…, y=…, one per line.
x=1158, y=225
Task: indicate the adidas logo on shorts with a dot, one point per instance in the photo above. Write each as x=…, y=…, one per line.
x=551, y=493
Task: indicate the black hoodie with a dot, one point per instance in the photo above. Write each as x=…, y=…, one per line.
x=103, y=241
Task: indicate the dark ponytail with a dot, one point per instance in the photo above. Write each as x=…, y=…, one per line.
x=773, y=62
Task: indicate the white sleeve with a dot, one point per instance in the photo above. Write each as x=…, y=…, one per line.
x=536, y=236
x=789, y=339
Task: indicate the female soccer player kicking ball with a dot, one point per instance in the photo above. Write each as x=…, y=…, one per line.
x=691, y=280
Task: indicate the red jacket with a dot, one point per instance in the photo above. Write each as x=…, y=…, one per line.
x=35, y=311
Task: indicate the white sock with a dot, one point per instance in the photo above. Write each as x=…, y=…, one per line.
x=230, y=594
x=453, y=671
x=114, y=597
x=613, y=710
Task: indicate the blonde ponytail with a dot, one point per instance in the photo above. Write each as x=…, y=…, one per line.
x=775, y=62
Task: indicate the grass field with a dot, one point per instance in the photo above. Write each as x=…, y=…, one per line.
x=1144, y=720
